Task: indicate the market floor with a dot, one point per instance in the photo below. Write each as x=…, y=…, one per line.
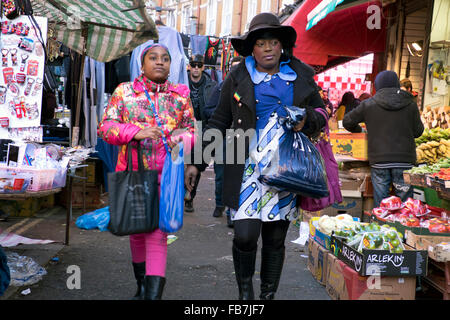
x=199, y=267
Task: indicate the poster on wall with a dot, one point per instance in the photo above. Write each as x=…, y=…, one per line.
x=22, y=72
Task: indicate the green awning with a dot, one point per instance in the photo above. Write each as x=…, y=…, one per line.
x=321, y=11
x=111, y=28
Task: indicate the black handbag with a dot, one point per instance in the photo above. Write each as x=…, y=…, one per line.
x=134, y=198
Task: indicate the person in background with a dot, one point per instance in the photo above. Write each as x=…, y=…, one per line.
x=328, y=104
x=218, y=168
x=347, y=104
x=129, y=118
x=406, y=85
x=201, y=86
x=392, y=120
x=253, y=97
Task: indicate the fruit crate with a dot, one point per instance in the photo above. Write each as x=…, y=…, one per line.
x=415, y=179
x=438, y=276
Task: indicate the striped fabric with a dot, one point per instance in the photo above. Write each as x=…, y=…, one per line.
x=111, y=32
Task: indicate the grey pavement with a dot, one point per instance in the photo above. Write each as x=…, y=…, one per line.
x=199, y=266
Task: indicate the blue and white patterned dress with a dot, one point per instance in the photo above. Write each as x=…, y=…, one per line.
x=258, y=201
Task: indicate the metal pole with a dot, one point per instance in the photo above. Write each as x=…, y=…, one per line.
x=69, y=209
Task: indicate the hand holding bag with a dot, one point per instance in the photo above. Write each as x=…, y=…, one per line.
x=332, y=169
x=171, y=202
x=134, y=201
x=296, y=166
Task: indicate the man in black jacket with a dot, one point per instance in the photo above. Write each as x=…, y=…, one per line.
x=201, y=86
x=393, y=122
x=218, y=168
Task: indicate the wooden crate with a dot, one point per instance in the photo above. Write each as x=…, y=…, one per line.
x=438, y=276
x=415, y=179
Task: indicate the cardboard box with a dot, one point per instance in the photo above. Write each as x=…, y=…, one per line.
x=93, y=197
x=349, y=205
x=343, y=283
x=308, y=215
x=317, y=236
x=371, y=262
x=317, y=262
x=436, y=246
x=353, y=145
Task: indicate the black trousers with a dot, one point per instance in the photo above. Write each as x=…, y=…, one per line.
x=247, y=232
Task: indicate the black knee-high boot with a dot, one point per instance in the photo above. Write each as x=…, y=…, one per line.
x=244, y=267
x=153, y=287
x=271, y=267
x=139, y=274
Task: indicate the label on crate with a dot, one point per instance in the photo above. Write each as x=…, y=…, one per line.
x=447, y=184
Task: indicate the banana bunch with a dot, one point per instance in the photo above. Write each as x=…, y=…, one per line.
x=432, y=151
x=435, y=134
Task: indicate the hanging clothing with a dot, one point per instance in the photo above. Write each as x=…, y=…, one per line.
x=172, y=40
x=198, y=44
x=212, y=51
x=89, y=138
x=100, y=79
x=186, y=40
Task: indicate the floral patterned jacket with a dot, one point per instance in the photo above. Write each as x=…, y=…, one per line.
x=129, y=111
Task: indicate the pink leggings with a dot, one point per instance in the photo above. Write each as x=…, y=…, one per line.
x=150, y=248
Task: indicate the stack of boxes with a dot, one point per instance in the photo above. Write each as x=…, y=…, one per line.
x=345, y=273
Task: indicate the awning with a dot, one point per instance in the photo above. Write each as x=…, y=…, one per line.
x=110, y=27
x=341, y=36
x=321, y=11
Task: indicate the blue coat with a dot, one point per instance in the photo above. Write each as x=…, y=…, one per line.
x=236, y=109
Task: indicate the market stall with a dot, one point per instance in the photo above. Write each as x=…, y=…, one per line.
x=34, y=161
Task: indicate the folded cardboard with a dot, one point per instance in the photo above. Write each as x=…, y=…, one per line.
x=349, y=205
x=353, y=145
x=317, y=261
x=372, y=262
x=344, y=283
x=438, y=247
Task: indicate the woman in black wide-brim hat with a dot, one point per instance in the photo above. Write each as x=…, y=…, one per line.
x=252, y=97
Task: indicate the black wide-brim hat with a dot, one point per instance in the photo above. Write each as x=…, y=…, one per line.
x=260, y=24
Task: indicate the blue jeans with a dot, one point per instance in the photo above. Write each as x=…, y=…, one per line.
x=381, y=181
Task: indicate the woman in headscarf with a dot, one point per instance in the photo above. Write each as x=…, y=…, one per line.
x=129, y=118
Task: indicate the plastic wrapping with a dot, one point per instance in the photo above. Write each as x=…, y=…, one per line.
x=24, y=270
x=171, y=202
x=95, y=219
x=297, y=165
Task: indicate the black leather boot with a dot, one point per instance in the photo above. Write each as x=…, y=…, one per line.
x=139, y=274
x=153, y=287
x=271, y=267
x=244, y=267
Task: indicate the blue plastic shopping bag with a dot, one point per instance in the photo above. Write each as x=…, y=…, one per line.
x=95, y=219
x=171, y=201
